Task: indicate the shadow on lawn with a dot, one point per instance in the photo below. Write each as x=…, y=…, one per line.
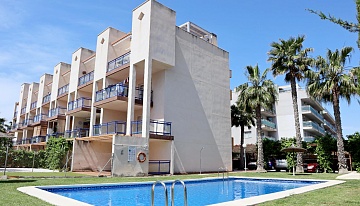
x=301, y=174
x=16, y=181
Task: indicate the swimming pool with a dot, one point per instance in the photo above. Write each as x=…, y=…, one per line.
x=200, y=192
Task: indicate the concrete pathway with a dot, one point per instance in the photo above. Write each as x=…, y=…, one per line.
x=350, y=176
x=26, y=170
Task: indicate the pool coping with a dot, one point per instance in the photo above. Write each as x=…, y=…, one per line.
x=56, y=199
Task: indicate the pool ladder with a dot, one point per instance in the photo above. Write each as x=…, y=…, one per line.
x=166, y=194
x=223, y=170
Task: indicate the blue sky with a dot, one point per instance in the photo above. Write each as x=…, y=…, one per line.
x=38, y=34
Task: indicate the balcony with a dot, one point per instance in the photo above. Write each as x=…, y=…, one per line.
x=328, y=125
x=157, y=128
x=267, y=125
x=39, y=119
x=38, y=139
x=23, y=110
x=80, y=132
x=309, y=139
x=26, y=123
x=268, y=137
x=57, y=113
x=15, y=114
x=15, y=127
x=46, y=99
x=63, y=90
x=311, y=112
x=118, y=62
x=268, y=113
x=114, y=127
x=116, y=96
x=86, y=78
x=54, y=135
x=80, y=107
x=313, y=127
x=33, y=105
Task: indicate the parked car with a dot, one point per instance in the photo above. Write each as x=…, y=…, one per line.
x=252, y=165
x=313, y=167
x=281, y=164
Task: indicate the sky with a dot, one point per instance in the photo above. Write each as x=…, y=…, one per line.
x=36, y=35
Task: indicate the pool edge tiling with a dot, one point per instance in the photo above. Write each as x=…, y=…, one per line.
x=56, y=199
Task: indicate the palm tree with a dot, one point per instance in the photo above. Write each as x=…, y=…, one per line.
x=331, y=82
x=3, y=126
x=257, y=93
x=288, y=57
x=241, y=117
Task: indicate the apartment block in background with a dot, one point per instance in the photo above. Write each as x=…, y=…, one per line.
x=279, y=122
x=151, y=101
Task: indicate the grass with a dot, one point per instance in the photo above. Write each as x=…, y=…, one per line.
x=343, y=194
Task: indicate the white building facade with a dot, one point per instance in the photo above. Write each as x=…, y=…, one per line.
x=279, y=123
x=151, y=101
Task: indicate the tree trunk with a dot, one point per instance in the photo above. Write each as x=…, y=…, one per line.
x=299, y=167
x=260, y=160
x=340, y=143
x=242, y=165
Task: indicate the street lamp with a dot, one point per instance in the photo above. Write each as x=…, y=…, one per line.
x=244, y=146
x=200, y=157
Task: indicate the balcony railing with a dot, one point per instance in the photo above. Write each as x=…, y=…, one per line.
x=309, y=139
x=57, y=111
x=118, y=62
x=23, y=110
x=156, y=127
x=308, y=108
x=26, y=122
x=33, y=105
x=46, y=98
x=38, y=139
x=39, y=118
x=79, y=103
x=314, y=126
x=63, y=90
x=118, y=90
x=55, y=135
x=330, y=125
x=268, y=123
x=86, y=78
x=114, y=127
x=268, y=137
x=79, y=132
x=15, y=114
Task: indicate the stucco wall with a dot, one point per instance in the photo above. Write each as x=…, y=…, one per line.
x=91, y=155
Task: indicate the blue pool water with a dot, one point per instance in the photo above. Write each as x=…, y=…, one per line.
x=200, y=192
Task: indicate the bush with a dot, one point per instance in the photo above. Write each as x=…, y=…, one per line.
x=55, y=153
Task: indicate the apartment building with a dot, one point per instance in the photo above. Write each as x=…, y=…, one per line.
x=279, y=122
x=151, y=101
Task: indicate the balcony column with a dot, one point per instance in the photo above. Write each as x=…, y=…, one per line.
x=131, y=98
x=146, y=98
x=93, y=110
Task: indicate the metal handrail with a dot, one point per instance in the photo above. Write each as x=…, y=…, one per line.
x=153, y=196
x=172, y=192
x=223, y=172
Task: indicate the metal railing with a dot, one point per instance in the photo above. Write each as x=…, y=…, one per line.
x=268, y=123
x=308, y=108
x=55, y=135
x=79, y=132
x=39, y=117
x=314, y=126
x=79, y=103
x=329, y=125
x=156, y=127
x=26, y=122
x=15, y=114
x=62, y=90
x=309, y=139
x=114, y=127
x=119, y=61
x=38, y=139
x=57, y=111
x=23, y=110
x=46, y=98
x=33, y=105
x=157, y=167
x=153, y=195
x=86, y=78
x=268, y=137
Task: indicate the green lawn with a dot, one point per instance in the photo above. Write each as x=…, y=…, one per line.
x=343, y=194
